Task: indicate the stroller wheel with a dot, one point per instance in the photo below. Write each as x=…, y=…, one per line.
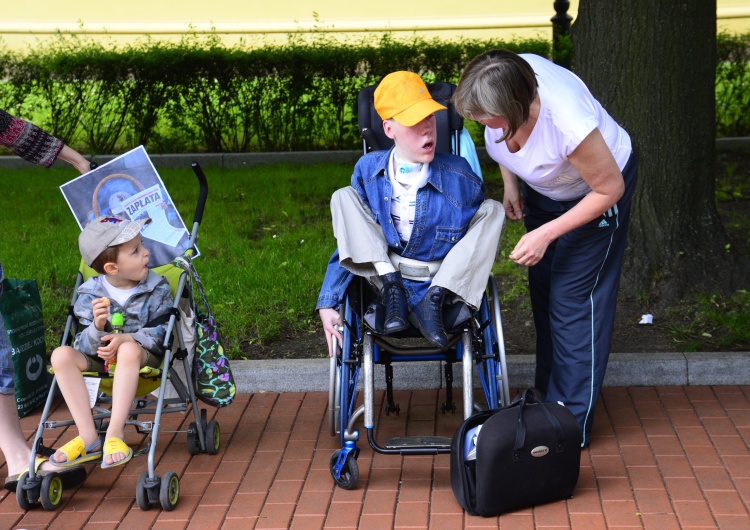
x=213, y=437
x=25, y=496
x=169, y=492
x=193, y=444
x=141, y=492
x=349, y=472
x=52, y=491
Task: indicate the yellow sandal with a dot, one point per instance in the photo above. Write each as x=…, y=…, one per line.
x=76, y=452
x=115, y=445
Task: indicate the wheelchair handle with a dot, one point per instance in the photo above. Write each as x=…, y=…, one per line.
x=198, y=217
x=371, y=140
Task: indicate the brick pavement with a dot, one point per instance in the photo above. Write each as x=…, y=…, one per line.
x=661, y=457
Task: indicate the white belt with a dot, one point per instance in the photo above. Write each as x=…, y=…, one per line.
x=413, y=269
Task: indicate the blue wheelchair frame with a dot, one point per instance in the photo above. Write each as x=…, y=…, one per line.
x=479, y=343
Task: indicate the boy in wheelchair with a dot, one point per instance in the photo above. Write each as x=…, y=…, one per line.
x=414, y=222
x=112, y=246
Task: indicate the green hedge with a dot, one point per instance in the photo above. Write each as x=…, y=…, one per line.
x=733, y=85
x=198, y=95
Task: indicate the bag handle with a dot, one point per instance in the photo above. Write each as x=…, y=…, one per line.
x=186, y=263
x=528, y=397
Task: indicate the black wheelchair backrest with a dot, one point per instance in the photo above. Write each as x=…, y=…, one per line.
x=449, y=123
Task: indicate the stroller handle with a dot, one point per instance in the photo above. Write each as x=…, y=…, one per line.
x=198, y=217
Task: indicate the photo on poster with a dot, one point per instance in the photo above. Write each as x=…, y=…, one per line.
x=129, y=186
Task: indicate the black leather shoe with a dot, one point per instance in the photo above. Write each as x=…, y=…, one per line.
x=428, y=317
x=394, y=300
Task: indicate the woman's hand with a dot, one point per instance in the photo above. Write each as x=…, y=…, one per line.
x=596, y=165
x=513, y=204
x=512, y=199
x=530, y=248
x=331, y=319
x=75, y=159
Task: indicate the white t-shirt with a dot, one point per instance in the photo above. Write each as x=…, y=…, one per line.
x=568, y=113
x=120, y=295
x=404, y=189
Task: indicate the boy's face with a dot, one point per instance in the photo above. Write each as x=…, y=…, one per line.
x=414, y=144
x=132, y=262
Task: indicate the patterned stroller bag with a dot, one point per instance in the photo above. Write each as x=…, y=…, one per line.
x=214, y=383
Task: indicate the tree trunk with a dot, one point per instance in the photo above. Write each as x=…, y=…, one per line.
x=652, y=64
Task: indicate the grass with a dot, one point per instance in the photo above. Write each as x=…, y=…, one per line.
x=265, y=242
x=709, y=321
x=716, y=323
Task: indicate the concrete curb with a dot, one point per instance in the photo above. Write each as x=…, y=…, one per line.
x=624, y=369
x=220, y=160
x=240, y=160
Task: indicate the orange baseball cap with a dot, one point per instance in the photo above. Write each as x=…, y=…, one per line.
x=404, y=97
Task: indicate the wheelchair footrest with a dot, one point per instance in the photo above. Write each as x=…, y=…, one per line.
x=417, y=441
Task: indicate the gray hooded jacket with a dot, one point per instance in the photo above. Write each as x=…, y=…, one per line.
x=152, y=298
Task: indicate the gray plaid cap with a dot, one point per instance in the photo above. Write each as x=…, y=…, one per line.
x=107, y=231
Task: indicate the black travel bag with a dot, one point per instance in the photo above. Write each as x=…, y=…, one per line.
x=526, y=454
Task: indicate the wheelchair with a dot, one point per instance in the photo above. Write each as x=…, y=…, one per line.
x=476, y=338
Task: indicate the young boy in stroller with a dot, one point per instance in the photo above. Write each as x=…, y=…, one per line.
x=112, y=246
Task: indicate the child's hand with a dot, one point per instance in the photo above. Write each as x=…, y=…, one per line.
x=108, y=352
x=100, y=307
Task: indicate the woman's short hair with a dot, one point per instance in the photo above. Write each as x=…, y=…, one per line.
x=497, y=83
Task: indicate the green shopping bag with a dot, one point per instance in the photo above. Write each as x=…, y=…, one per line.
x=21, y=308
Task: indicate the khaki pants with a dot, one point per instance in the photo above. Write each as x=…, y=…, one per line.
x=465, y=269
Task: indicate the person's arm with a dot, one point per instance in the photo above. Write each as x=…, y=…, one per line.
x=512, y=198
x=40, y=147
x=89, y=337
x=358, y=184
x=74, y=158
x=331, y=295
x=596, y=165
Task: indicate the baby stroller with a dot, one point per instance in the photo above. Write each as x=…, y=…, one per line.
x=476, y=337
x=202, y=435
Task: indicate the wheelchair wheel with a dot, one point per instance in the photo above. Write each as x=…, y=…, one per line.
x=25, y=496
x=491, y=362
x=349, y=472
x=193, y=442
x=348, y=368
x=499, y=344
x=141, y=493
x=213, y=437
x=169, y=492
x=52, y=491
x=334, y=397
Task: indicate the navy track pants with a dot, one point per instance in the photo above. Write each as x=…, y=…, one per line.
x=573, y=296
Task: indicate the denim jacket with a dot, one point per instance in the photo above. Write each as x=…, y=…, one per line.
x=445, y=207
x=152, y=298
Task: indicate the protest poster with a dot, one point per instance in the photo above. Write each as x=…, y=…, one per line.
x=129, y=186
